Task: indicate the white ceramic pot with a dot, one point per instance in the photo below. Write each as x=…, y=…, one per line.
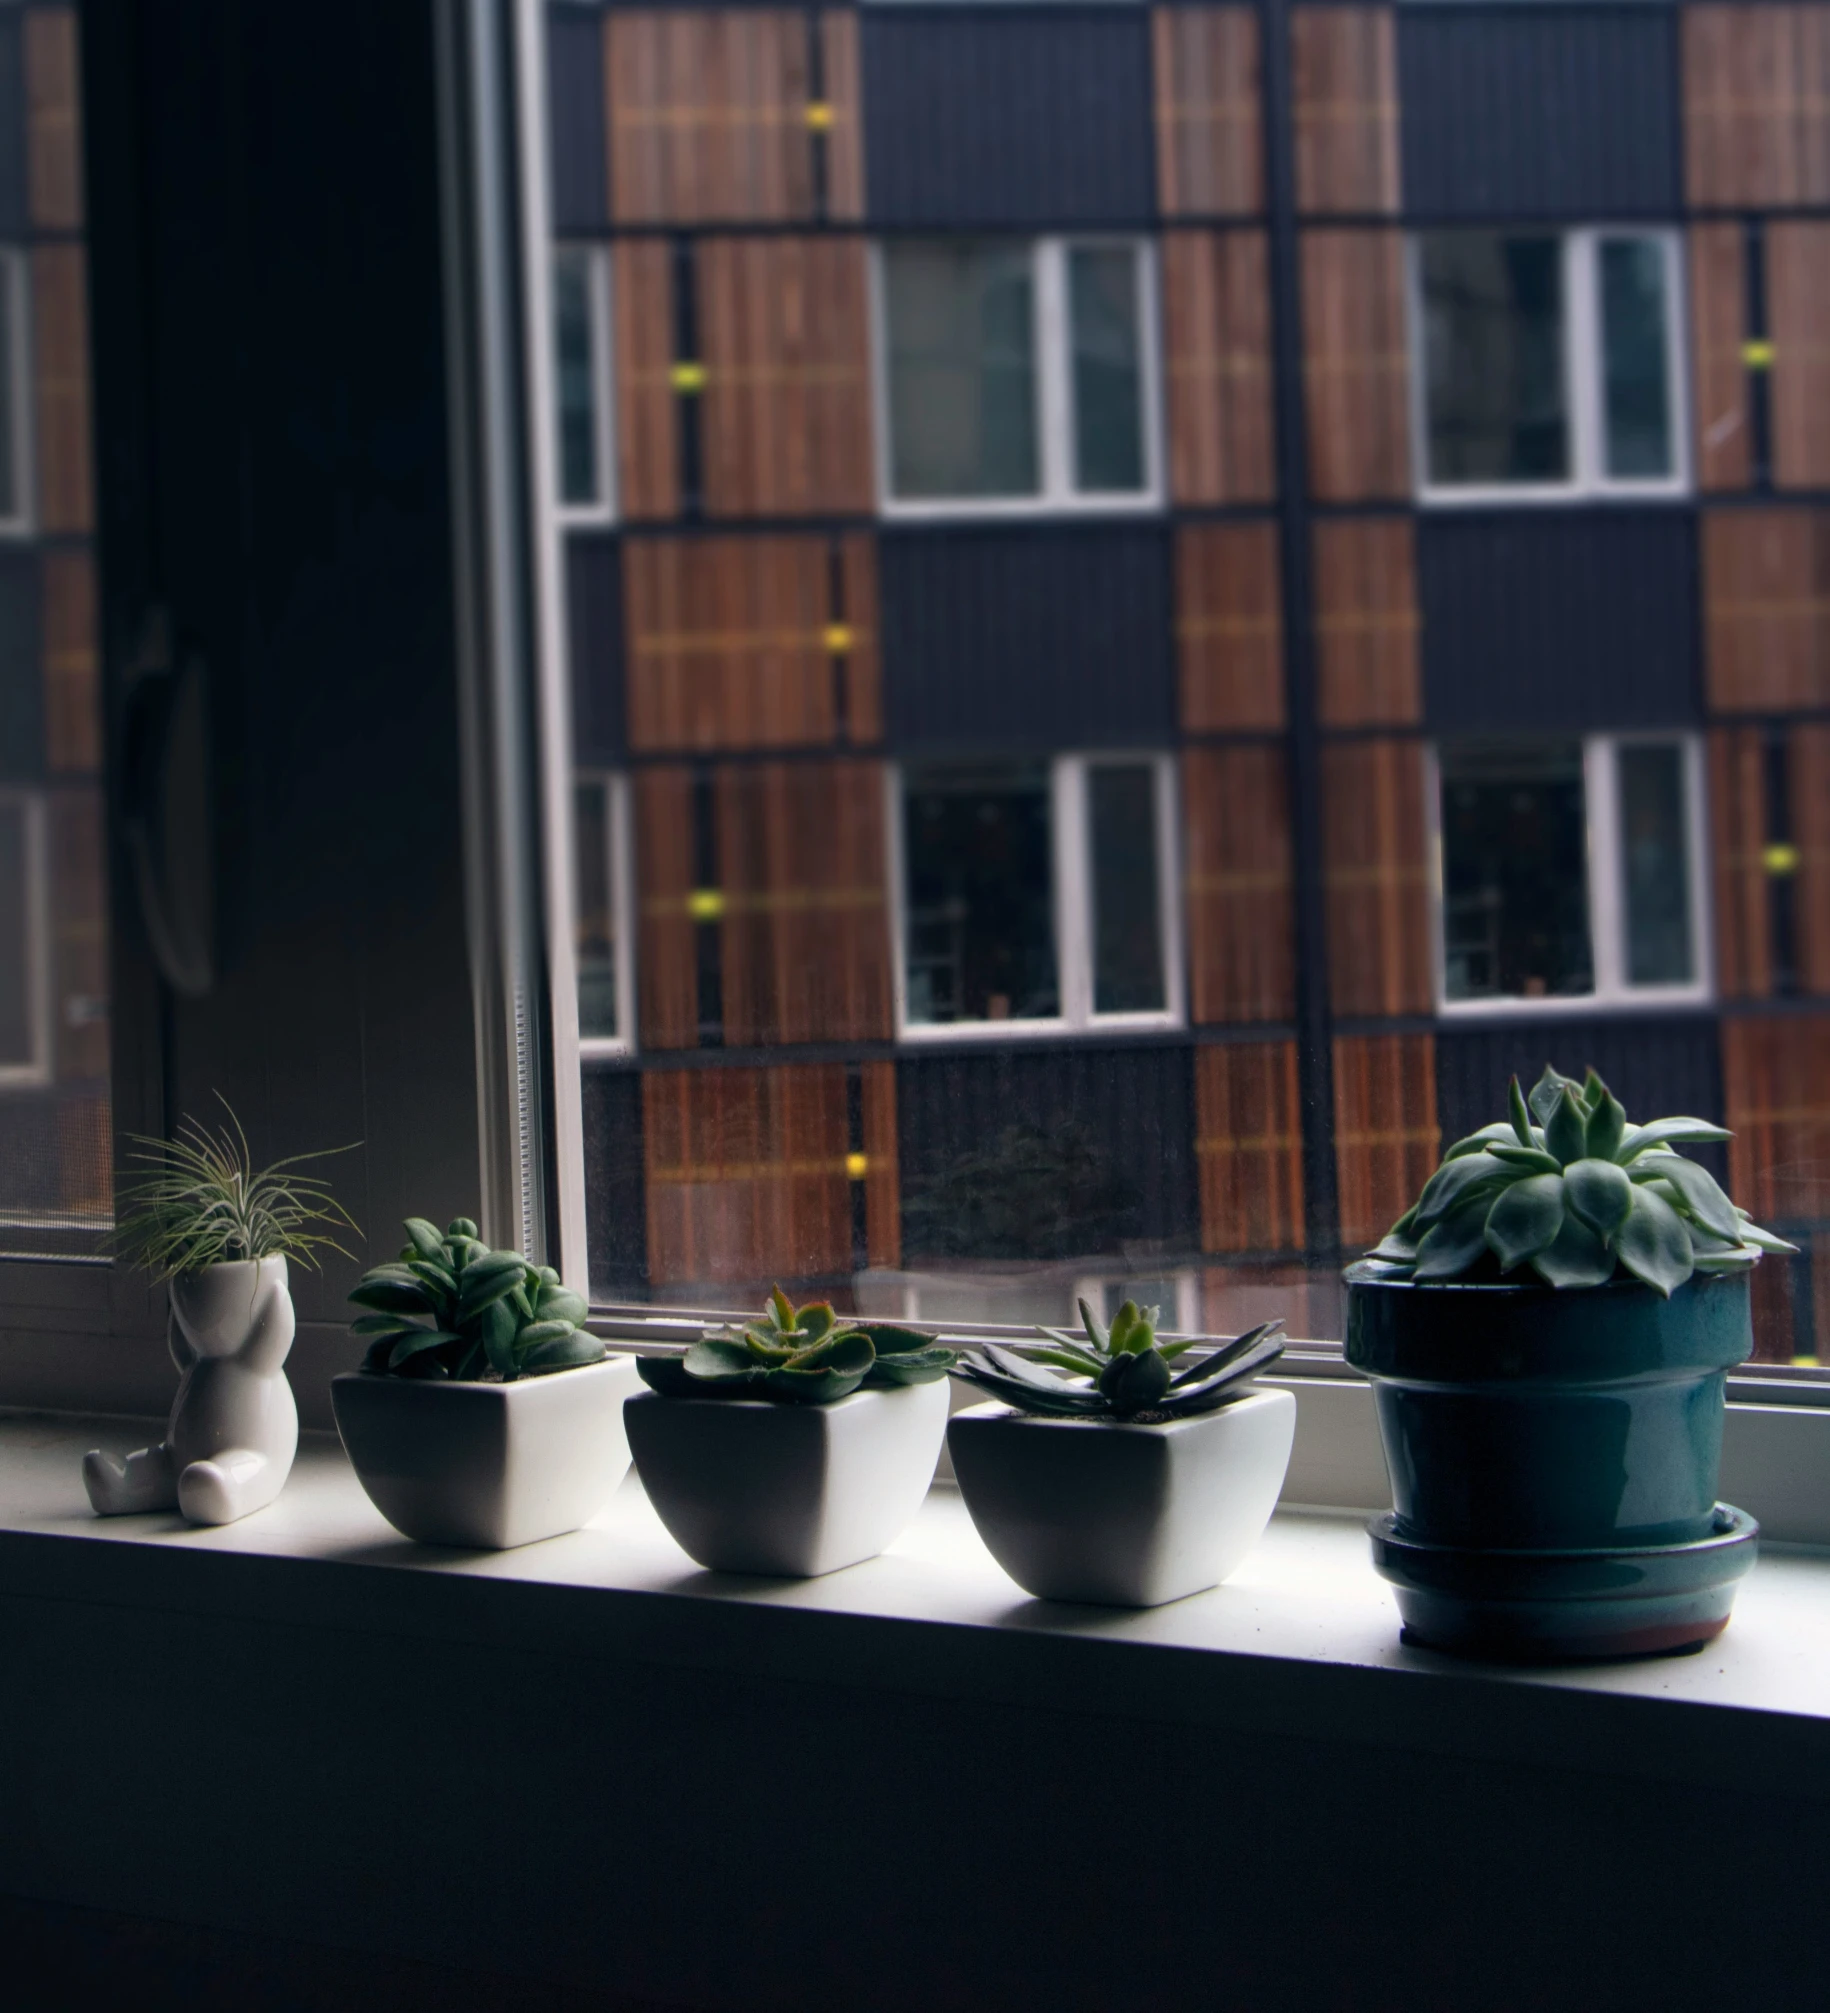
x=488, y=1466
x=234, y=1428
x=746, y=1485
x=1126, y=1515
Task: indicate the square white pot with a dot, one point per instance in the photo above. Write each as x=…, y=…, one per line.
x=488, y=1465
x=746, y=1485
x=1127, y=1515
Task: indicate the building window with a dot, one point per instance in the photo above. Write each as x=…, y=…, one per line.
x=1037, y=895
x=1570, y=870
x=600, y=905
x=581, y=382
x=1017, y=373
x=24, y=951
x=1548, y=363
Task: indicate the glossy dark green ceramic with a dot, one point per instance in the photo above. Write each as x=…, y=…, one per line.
x=1519, y=1417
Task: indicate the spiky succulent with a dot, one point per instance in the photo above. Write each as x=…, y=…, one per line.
x=1570, y=1190
x=800, y=1355
x=1121, y=1372
x=452, y=1307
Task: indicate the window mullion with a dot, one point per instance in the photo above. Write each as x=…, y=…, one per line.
x=1053, y=371
x=1073, y=890
x=1582, y=361
x=1606, y=895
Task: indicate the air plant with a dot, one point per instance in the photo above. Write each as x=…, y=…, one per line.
x=1570, y=1191
x=451, y=1307
x=203, y=1202
x=799, y=1355
x=1121, y=1373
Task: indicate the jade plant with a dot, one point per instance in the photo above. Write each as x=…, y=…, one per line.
x=1120, y=1372
x=1568, y=1190
x=451, y=1307
x=802, y=1355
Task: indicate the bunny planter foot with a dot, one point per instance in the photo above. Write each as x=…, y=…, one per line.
x=234, y=1428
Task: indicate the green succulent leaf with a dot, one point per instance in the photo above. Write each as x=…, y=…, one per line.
x=1478, y=1142
x=425, y=1239
x=781, y=1309
x=1455, y=1182
x=847, y=1353
x=714, y=1358
x=1575, y=1256
x=559, y=1303
x=537, y=1333
x=1547, y=1093
x=1452, y=1245
x=1763, y=1240
x=568, y=1351
x=814, y=1320
x=1743, y=1258
x=1525, y=1219
x=1701, y=1196
x=1134, y=1381
x=1668, y=1132
x=1399, y=1250
x=1529, y=1159
x=912, y=1366
x=1071, y=1353
x=1566, y=1129
x=1600, y=1193
x=420, y=1338
x=819, y=1385
x=1654, y=1245
x=1097, y=1332
x=392, y=1296
x=669, y=1376
x=1607, y=1125
x=1520, y=1114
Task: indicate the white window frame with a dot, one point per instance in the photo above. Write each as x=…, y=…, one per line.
x=1582, y=374
x=1071, y=889
x=1612, y=991
x=35, y=1072
x=1056, y=444
x=620, y=868
x=15, y=304
x=595, y=258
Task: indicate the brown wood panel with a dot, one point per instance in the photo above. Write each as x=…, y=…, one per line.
x=1798, y=319
x=1776, y=1090
x=1385, y=1133
x=1249, y=1146
x=1209, y=150
x=60, y=335
x=1766, y=609
x=805, y=934
x=1217, y=342
x=1241, y=956
x=784, y=333
x=1355, y=366
x=79, y=924
x=750, y=642
x=844, y=100
x=1366, y=622
x=1374, y=878
x=647, y=421
x=1229, y=627
x=1344, y=91
x=1743, y=903
x=1718, y=323
x=1756, y=105
x=707, y=115
x=746, y=1174
x=667, y=971
x=53, y=112
x=1808, y=752
x=72, y=691
x=882, y=1182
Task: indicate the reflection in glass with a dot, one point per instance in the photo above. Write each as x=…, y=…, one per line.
x=1493, y=358
x=962, y=386
x=1636, y=357
x=574, y=378
x=1515, y=872
x=1108, y=368
x=1655, y=865
x=1127, y=910
x=593, y=893
x=981, y=912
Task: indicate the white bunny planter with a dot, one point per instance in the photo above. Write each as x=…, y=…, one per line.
x=234, y=1428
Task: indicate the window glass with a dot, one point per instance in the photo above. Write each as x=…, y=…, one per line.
x=1655, y=865
x=1127, y=909
x=596, y=925
x=962, y=372
x=575, y=378
x=18, y=954
x=1496, y=399
x=1515, y=872
x=1636, y=357
x=1108, y=368
x=10, y=498
x=980, y=896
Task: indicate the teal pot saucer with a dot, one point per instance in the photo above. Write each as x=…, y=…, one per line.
x=1557, y=1606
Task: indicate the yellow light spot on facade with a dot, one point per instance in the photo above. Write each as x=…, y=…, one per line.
x=1758, y=354
x=687, y=377
x=857, y=1166
x=1779, y=859
x=837, y=637
x=819, y=116
x=705, y=905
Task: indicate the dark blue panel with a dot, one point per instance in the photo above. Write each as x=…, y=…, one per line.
x=1053, y=636
x=615, y=1209
x=12, y=127
x=1041, y=116
x=1036, y=1153
x=575, y=119
x=1542, y=112
x=594, y=624
x=1581, y=618
x=21, y=666
x=1658, y=1068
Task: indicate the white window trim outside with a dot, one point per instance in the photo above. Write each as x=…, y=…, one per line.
x=1071, y=889
x=595, y=259
x=1055, y=436
x=1582, y=376
x=35, y=1072
x=617, y=832
x=15, y=304
x=1606, y=892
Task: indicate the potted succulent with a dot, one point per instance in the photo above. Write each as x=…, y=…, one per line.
x=1135, y=1478
x=1548, y=1331
x=793, y=1445
x=219, y=1233
x=484, y=1413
